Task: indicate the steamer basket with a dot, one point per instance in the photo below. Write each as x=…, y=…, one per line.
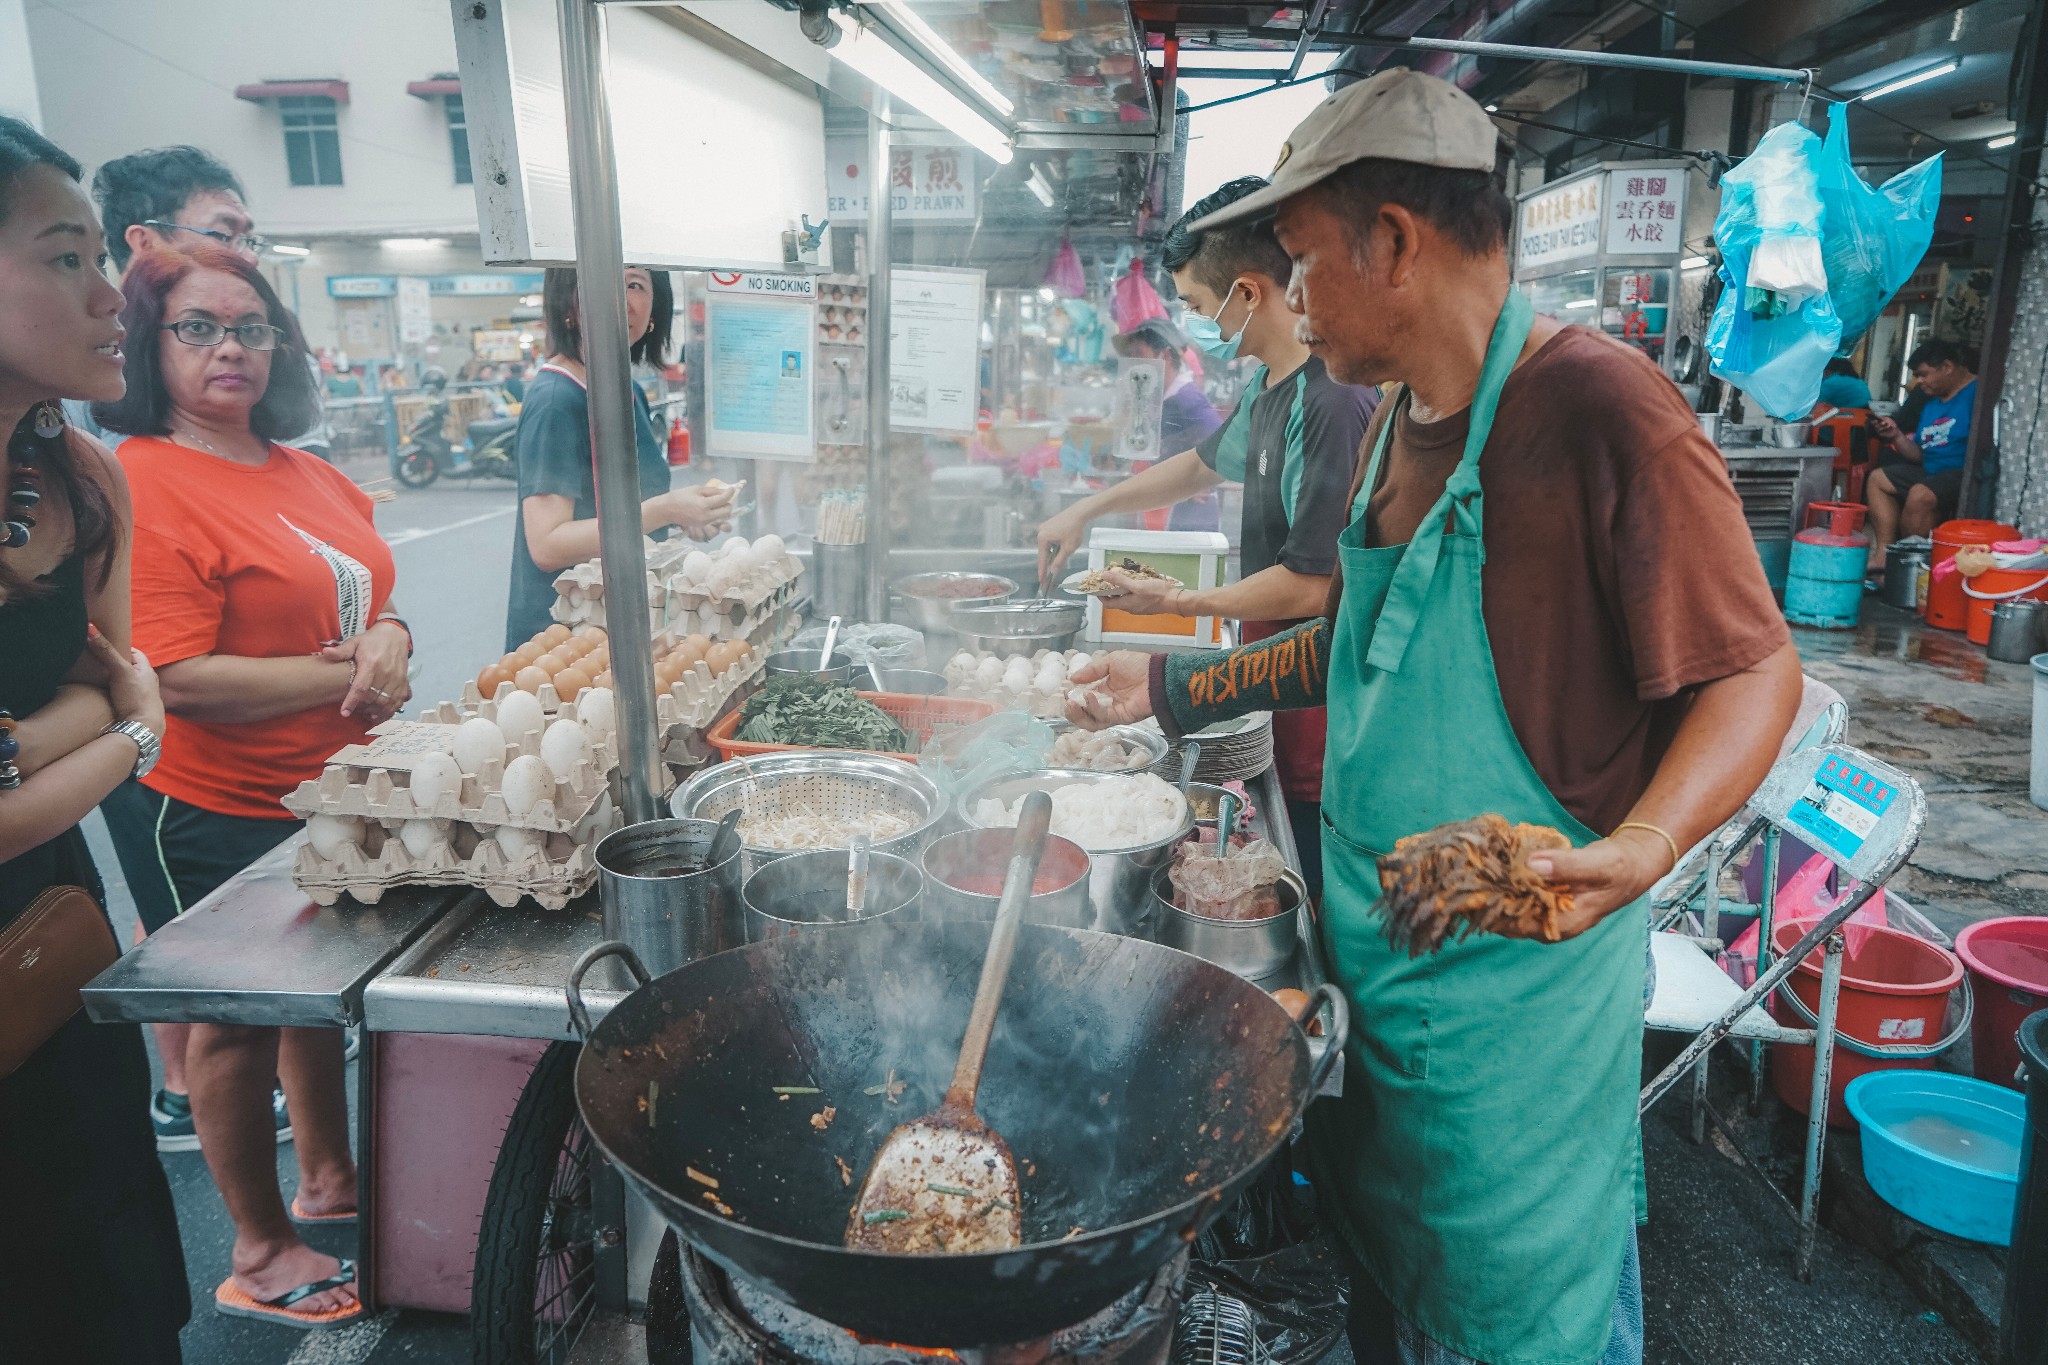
x=815, y=784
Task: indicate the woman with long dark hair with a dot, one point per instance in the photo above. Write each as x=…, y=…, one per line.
x=90, y=1267
x=263, y=592
x=557, y=522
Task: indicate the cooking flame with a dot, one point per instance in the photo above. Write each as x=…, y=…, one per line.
x=928, y=1352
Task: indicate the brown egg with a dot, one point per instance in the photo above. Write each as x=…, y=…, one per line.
x=722, y=656
x=1297, y=1003
x=666, y=675
x=573, y=648
x=551, y=664
x=487, y=682
x=531, y=679
x=554, y=634
x=569, y=682
x=591, y=633
x=693, y=648
x=603, y=679
x=527, y=653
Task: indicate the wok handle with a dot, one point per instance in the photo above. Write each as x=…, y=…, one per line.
x=1334, y=1037
x=579, y=1013
x=1034, y=822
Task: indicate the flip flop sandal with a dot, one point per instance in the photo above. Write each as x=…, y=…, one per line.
x=304, y=1219
x=235, y=1304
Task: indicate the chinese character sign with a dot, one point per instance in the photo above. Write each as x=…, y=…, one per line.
x=926, y=184
x=1559, y=225
x=1646, y=211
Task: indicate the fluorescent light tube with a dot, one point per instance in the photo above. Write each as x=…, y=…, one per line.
x=871, y=55
x=1694, y=263
x=906, y=21
x=1036, y=184
x=282, y=249
x=1581, y=303
x=413, y=243
x=1916, y=78
x=2000, y=143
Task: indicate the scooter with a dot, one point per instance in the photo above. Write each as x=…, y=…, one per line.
x=427, y=453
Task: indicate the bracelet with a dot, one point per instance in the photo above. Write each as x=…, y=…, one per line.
x=10, y=749
x=400, y=623
x=1657, y=830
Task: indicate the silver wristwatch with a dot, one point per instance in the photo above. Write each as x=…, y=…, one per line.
x=145, y=740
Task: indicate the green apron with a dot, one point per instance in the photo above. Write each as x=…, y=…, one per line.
x=1484, y=1156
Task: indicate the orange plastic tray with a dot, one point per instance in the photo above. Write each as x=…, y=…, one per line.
x=922, y=717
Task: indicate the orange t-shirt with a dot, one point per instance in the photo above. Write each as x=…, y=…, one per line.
x=260, y=561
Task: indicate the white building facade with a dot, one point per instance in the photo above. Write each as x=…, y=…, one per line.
x=344, y=124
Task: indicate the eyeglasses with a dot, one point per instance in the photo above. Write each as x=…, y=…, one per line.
x=254, y=336
x=233, y=241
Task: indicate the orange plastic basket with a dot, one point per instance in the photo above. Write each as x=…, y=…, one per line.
x=922, y=717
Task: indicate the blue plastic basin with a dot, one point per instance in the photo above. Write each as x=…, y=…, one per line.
x=1942, y=1149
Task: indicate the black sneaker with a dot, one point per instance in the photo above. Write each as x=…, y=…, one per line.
x=171, y=1115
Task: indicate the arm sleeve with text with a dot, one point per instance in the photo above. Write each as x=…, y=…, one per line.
x=1285, y=672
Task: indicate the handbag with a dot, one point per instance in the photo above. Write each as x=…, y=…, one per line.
x=50, y=951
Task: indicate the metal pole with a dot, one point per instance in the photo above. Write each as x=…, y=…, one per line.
x=601, y=326
x=879, y=196
x=1571, y=55
x=1817, y=1103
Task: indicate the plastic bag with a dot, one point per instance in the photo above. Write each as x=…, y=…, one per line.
x=1872, y=239
x=1775, y=328
x=1006, y=742
x=1267, y=1250
x=889, y=645
x=1065, y=274
x=1234, y=887
x=1135, y=299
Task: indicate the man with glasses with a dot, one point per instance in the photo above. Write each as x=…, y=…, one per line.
x=179, y=198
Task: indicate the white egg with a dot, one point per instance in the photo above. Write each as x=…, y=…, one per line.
x=768, y=549
x=596, y=824
x=330, y=834
x=527, y=783
x=438, y=773
x=516, y=843
x=597, y=710
x=420, y=837
x=696, y=565
x=564, y=746
x=518, y=713
x=736, y=548
x=988, y=672
x=478, y=742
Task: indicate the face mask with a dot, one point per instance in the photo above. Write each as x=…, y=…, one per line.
x=1207, y=332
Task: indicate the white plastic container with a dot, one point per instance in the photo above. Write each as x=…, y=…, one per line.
x=1196, y=558
x=2039, y=786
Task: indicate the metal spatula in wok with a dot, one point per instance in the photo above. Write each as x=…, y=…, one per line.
x=947, y=1183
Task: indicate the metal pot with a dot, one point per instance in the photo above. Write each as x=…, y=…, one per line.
x=2016, y=630
x=1791, y=435
x=913, y=682
x=817, y=781
x=931, y=611
x=663, y=895
x=982, y=854
x=806, y=893
x=1904, y=562
x=1119, y=879
x=1011, y=629
x=1251, y=947
x=839, y=669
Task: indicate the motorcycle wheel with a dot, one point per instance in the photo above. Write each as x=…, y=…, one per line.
x=416, y=468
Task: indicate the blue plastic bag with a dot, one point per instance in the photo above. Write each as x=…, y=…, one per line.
x=1873, y=238
x=1775, y=328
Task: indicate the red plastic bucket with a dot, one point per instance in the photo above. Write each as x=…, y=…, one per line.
x=2008, y=962
x=1993, y=586
x=1895, y=989
x=1947, y=607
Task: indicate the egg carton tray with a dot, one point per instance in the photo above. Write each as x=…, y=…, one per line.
x=374, y=780
x=1044, y=705
x=579, y=596
x=551, y=874
x=746, y=593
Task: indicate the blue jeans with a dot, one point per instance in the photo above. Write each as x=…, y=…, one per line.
x=1372, y=1318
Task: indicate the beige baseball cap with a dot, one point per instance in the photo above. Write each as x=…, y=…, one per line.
x=1398, y=115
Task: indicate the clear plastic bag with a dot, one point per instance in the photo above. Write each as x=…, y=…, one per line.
x=890, y=646
x=1775, y=328
x=1006, y=742
x=1237, y=887
x=1872, y=239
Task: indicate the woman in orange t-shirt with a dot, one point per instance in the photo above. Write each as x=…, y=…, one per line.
x=262, y=593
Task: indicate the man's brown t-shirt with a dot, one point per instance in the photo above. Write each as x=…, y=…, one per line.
x=1619, y=571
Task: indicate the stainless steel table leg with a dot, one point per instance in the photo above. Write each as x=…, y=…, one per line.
x=1817, y=1102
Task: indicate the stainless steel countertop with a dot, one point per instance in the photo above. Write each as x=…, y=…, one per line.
x=257, y=951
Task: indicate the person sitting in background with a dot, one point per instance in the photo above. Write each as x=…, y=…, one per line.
x=345, y=383
x=1842, y=387
x=1186, y=416
x=1916, y=489
x=264, y=592
x=557, y=522
x=91, y=1270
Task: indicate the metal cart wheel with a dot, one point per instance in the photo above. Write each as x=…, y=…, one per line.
x=535, y=1286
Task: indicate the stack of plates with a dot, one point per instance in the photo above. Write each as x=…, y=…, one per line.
x=1232, y=750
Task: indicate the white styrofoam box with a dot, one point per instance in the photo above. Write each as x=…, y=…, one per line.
x=1195, y=558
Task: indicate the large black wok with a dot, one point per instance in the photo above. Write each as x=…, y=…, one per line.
x=1139, y=1088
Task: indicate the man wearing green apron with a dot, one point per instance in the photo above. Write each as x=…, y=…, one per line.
x=1546, y=607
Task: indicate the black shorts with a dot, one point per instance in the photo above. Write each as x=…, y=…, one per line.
x=173, y=854
x=1946, y=484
